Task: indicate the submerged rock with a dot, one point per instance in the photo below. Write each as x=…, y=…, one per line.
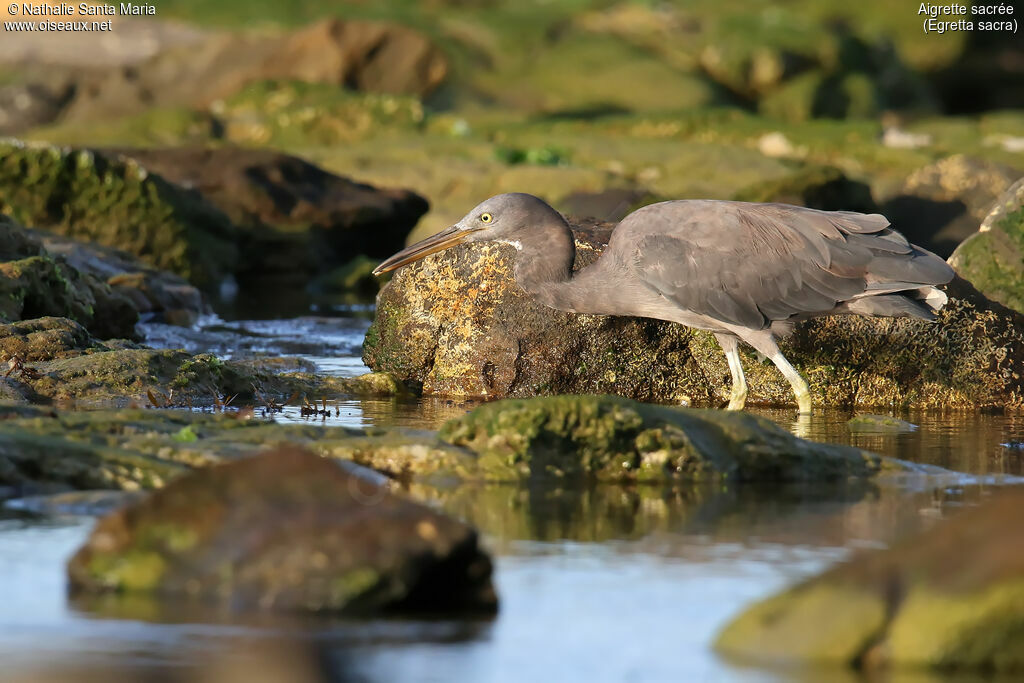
x=993, y=257
x=295, y=219
x=880, y=423
x=115, y=202
x=607, y=437
x=952, y=597
x=457, y=324
x=287, y=530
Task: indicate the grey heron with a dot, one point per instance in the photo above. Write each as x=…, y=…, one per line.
x=742, y=271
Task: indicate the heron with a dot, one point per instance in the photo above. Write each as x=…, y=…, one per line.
x=740, y=270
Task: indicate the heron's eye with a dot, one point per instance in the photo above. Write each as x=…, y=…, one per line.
x=486, y=218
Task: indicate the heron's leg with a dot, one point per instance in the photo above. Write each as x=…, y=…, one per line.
x=765, y=343
x=731, y=346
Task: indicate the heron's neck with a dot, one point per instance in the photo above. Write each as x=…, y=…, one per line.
x=544, y=263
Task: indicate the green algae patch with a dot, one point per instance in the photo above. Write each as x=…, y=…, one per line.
x=115, y=202
x=611, y=438
x=950, y=598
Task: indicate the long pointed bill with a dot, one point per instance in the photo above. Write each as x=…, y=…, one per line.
x=445, y=239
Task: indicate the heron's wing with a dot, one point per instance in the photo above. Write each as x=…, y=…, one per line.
x=749, y=264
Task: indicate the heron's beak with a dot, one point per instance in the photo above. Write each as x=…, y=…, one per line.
x=445, y=239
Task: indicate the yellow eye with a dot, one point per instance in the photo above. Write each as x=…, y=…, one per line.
x=486, y=217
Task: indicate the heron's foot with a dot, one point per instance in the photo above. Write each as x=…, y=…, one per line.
x=803, y=402
x=737, y=399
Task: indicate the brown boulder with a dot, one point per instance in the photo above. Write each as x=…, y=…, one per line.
x=286, y=530
x=361, y=55
x=295, y=217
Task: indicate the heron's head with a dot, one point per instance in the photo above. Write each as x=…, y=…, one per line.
x=502, y=218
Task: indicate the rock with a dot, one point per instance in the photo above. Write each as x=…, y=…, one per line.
x=34, y=283
x=943, y=203
x=295, y=218
x=819, y=187
x=952, y=597
x=368, y=56
x=880, y=423
x=131, y=448
x=156, y=294
x=457, y=324
x=117, y=203
x=44, y=339
x=355, y=277
x=28, y=105
x=611, y=438
x=993, y=257
x=611, y=204
x=287, y=531
x=64, y=362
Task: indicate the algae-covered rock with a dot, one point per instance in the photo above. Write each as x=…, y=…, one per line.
x=116, y=202
x=607, y=437
x=156, y=294
x=294, y=219
x=993, y=258
x=132, y=448
x=286, y=530
x=942, y=204
x=35, y=283
x=952, y=597
x=63, y=362
x=457, y=324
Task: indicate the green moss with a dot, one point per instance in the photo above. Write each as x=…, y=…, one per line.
x=117, y=203
x=139, y=570
x=186, y=435
x=290, y=114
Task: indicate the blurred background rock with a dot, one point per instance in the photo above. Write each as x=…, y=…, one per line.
x=599, y=106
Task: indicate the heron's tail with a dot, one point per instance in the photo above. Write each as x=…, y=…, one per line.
x=923, y=302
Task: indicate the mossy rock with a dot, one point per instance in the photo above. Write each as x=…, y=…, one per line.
x=34, y=284
x=290, y=531
x=950, y=598
x=993, y=258
x=612, y=438
x=66, y=363
x=116, y=202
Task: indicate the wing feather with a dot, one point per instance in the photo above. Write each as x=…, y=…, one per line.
x=751, y=264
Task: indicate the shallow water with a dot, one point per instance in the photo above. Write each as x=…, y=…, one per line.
x=605, y=584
